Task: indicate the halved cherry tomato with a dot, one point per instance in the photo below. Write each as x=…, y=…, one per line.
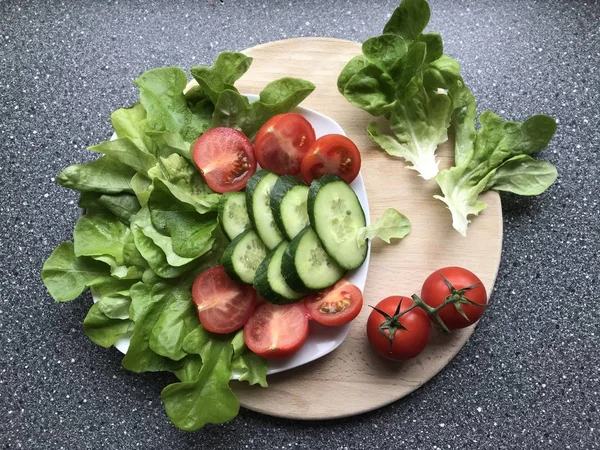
x=394, y=337
x=331, y=154
x=276, y=331
x=282, y=142
x=336, y=305
x=223, y=304
x=467, y=287
x=225, y=157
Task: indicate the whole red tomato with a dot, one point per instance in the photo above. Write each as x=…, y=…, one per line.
x=395, y=335
x=460, y=285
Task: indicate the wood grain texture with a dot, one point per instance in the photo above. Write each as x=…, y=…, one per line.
x=351, y=379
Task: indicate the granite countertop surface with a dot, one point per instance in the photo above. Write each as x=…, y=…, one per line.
x=528, y=377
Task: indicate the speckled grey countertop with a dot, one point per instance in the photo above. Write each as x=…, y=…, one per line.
x=530, y=375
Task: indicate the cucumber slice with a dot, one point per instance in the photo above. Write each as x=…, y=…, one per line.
x=243, y=255
x=307, y=266
x=269, y=282
x=336, y=216
x=289, y=197
x=258, y=199
x=233, y=214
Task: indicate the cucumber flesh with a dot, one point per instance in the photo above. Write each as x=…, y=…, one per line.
x=243, y=255
x=269, y=282
x=233, y=214
x=289, y=198
x=336, y=216
x=258, y=198
x=306, y=265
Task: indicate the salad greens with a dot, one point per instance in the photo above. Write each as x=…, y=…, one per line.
x=151, y=227
x=403, y=77
x=497, y=156
x=392, y=225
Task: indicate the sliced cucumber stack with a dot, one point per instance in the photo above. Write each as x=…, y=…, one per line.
x=258, y=200
x=269, y=282
x=306, y=265
x=289, y=197
x=233, y=214
x=243, y=255
x=336, y=216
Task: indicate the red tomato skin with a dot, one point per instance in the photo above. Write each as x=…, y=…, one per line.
x=214, y=282
x=282, y=142
x=435, y=291
x=225, y=157
x=407, y=343
x=256, y=330
x=332, y=154
x=343, y=294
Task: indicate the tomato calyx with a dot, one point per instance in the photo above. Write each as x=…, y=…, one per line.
x=392, y=323
x=456, y=298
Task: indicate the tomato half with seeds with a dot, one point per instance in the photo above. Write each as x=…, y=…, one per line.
x=276, y=331
x=331, y=154
x=461, y=285
x=225, y=157
x=336, y=305
x=282, y=142
x=396, y=334
x=223, y=305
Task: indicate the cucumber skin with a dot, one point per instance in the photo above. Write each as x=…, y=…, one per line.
x=227, y=257
x=310, y=204
x=261, y=282
x=250, y=188
x=282, y=186
x=221, y=212
x=288, y=266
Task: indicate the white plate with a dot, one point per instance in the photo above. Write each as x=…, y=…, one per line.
x=321, y=340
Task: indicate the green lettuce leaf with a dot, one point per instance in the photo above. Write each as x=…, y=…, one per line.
x=434, y=46
x=105, y=175
x=147, y=303
x=385, y=51
x=207, y=399
x=115, y=305
x=371, y=89
x=404, y=77
x=161, y=94
x=128, y=123
x=176, y=320
x=236, y=111
x=277, y=97
x=227, y=68
x=190, y=232
x=157, y=248
x=103, y=330
x=392, y=225
x=418, y=125
x=185, y=183
x=409, y=19
x=496, y=156
x=128, y=153
x=523, y=175
x=66, y=276
x=124, y=206
x=100, y=235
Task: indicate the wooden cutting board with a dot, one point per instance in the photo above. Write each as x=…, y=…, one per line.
x=352, y=379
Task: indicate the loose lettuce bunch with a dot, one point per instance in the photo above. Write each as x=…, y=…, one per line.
x=151, y=226
x=403, y=76
x=496, y=156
